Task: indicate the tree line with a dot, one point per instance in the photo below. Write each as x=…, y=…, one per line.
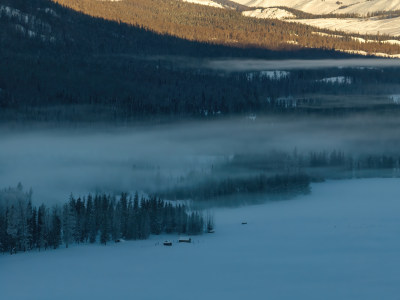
x=318, y=165
x=213, y=188
x=97, y=218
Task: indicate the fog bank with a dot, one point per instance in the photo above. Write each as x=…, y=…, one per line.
x=57, y=162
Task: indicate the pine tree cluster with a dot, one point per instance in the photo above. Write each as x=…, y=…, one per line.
x=95, y=218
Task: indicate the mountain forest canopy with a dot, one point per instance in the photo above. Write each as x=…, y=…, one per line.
x=219, y=26
x=60, y=65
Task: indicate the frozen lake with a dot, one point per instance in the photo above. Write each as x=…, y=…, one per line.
x=340, y=242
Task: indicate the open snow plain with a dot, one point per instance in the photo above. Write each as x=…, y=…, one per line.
x=340, y=242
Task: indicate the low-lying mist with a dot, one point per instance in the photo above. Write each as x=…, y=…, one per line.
x=58, y=162
x=241, y=65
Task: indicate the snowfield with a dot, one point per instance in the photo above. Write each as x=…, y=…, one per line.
x=205, y=2
x=356, y=25
x=328, y=6
x=340, y=242
x=269, y=13
x=362, y=24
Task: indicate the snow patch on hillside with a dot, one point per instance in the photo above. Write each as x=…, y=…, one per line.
x=318, y=7
x=269, y=13
x=356, y=25
x=272, y=75
x=275, y=9
x=205, y=2
x=337, y=80
x=49, y=11
x=395, y=99
x=28, y=25
x=378, y=54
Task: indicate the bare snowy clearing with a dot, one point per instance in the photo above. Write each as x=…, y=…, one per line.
x=269, y=13
x=273, y=75
x=337, y=80
x=205, y=2
x=275, y=9
x=340, y=242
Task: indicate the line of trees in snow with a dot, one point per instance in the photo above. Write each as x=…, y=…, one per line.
x=95, y=218
x=212, y=188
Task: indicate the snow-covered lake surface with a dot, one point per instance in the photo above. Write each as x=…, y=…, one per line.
x=340, y=242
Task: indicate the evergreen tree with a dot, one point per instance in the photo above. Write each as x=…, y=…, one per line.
x=55, y=229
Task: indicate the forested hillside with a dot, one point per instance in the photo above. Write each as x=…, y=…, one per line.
x=218, y=26
x=60, y=65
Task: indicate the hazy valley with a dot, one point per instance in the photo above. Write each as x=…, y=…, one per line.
x=222, y=150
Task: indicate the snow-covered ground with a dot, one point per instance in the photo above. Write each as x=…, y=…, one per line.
x=356, y=25
x=205, y=2
x=361, y=7
x=337, y=80
x=395, y=99
x=274, y=9
x=340, y=242
x=273, y=75
x=269, y=13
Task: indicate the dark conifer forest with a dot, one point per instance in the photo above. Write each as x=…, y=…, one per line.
x=60, y=65
x=92, y=219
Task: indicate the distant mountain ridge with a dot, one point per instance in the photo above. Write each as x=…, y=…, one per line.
x=351, y=16
x=213, y=25
x=320, y=7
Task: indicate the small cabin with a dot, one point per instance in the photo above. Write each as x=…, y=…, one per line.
x=167, y=243
x=185, y=240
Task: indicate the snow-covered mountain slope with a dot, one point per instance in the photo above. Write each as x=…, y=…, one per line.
x=205, y=2
x=340, y=242
x=361, y=7
x=358, y=13
x=357, y=25
x=269, y=13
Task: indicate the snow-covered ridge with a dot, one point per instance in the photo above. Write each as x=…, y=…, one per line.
x=205, y=2
x=356, y=25
x=269, y=13
x=377, y=54
x=318, y=7
x=358, y=39
x=275, y=9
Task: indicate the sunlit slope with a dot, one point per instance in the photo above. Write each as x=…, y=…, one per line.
x=318, y=7
x=389, y=26
x=218, y=26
